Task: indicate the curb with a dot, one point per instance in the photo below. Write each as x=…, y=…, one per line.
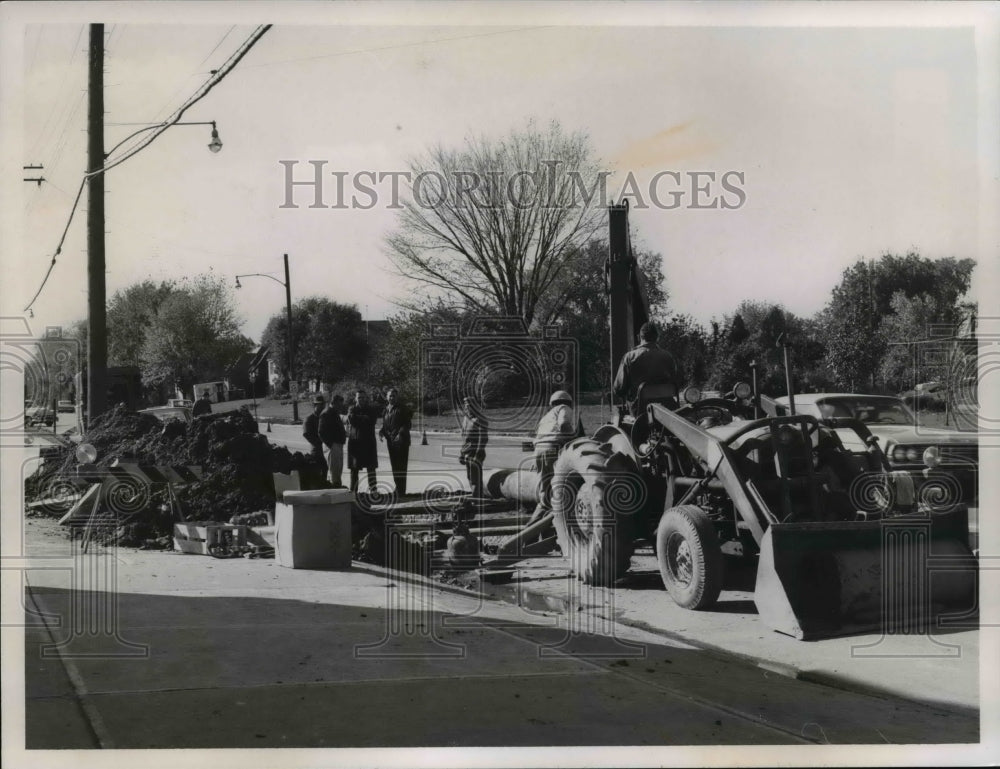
x=516, y=588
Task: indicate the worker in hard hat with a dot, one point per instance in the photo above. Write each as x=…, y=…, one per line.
x=475, y=434
x=646, y=364
x=556, y=428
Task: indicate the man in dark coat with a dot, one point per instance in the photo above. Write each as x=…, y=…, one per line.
x=396, y=421
x=333, y=435
x=202, y=406
x=646, y=364
x=475, y=433
x=362, y=448
x=310, y=430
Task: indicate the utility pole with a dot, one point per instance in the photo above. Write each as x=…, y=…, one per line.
x=288, y=310
x=97, y=341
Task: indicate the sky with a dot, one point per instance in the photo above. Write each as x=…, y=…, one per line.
x=849, y=141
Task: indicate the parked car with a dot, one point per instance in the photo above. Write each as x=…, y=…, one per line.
x=39, y=415
x=926, y=396
x=170, y=413
x=937, y=458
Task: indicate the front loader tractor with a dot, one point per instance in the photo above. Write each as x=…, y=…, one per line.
x=834, y=533
x=839, y=542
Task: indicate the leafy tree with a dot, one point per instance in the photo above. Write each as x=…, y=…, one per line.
x=193, y=335
x=80, y=331
x=855, y=338
x=752, y=336
x=398, y=360
x=918, y=319
x=579, y=304
x=130, y=314
x=497, y=221
x=737, y=330
x=329, y=340
x=335, y=343
x=688, y=343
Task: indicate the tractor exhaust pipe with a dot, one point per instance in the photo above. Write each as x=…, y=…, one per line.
x=783, y=343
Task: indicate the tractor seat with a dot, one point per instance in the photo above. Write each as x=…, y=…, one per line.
x=649, y=392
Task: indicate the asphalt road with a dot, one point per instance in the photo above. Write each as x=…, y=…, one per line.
x=196, y=652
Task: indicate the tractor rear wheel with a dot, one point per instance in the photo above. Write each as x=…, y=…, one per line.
x=595, y=495
x=689, y=556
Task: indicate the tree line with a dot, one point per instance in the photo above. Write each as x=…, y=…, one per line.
x=515, y=229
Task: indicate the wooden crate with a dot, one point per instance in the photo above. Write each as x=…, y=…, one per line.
x=196, y=537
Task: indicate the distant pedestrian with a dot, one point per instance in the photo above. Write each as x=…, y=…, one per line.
x=333, y=435
x=396, y=422
x=556, y=428
x=310, y=430
x=202, y=406
x=362, y=448
x=475, y=434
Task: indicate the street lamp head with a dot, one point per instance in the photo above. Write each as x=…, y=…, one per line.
x=216, y=144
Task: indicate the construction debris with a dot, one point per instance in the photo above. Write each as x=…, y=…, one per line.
x=237, y=465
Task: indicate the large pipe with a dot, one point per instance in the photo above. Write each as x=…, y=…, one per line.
x=520, y=485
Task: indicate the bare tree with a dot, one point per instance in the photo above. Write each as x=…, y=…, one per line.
x=492, y=225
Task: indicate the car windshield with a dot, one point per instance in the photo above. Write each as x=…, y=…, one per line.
x=166, y=413
x=886, y=411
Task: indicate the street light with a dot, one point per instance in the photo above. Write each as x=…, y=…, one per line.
x=288, y=310
x=97, y=344
x=214, y=145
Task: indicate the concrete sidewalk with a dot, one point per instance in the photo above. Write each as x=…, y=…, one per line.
x=238, y=653
x=941, y=667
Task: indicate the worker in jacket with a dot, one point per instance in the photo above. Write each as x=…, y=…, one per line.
x=310, y=431
x=646, y=364
x=475, y=434
x=333, y=436
x=362, y=448
x=396, y=421
x=202, y=406
x=556, y=428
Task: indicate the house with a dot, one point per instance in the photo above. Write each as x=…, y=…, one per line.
x=247, y=376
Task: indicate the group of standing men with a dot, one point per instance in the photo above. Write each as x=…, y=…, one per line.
x=327, y=433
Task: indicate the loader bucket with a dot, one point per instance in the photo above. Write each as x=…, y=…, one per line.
x=896, y=575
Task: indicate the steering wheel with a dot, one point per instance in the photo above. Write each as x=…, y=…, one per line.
x=722, y=411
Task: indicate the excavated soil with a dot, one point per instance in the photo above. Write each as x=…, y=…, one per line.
x=237, y=463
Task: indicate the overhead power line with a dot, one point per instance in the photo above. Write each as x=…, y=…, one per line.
x=213, y=81
x=202, y=92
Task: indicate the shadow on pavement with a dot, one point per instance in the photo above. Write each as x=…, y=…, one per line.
x=239, y=672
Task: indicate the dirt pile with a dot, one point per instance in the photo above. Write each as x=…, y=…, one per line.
x=237, y=464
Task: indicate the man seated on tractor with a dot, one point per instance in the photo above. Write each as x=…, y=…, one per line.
x=645, y=364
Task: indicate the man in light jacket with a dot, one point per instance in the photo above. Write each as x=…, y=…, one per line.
x=556, y=428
